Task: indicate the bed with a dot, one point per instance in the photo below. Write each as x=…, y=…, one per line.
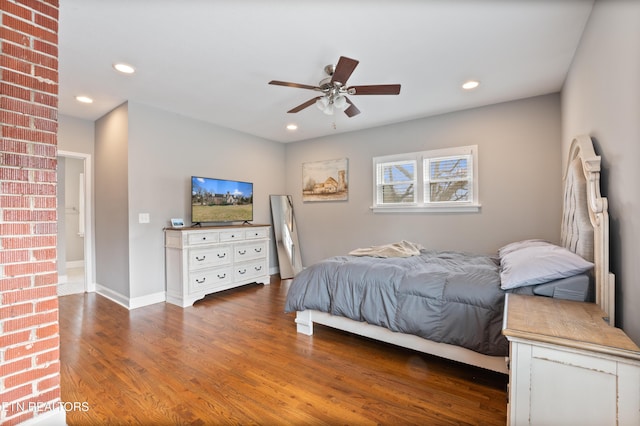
x=450, y=304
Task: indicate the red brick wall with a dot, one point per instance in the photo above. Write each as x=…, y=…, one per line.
x=29, y=333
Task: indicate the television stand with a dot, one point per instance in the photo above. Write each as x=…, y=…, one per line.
x=214, y=258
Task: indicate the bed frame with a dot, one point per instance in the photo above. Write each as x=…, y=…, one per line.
x=584, y=230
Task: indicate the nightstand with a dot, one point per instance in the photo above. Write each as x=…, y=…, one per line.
x=568, y=366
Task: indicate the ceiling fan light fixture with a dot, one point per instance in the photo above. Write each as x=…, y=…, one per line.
x=340, y=102
x=322, y=103
x=334, y=88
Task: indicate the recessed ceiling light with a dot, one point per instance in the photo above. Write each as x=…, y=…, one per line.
x=84, y=99
x=292, y=126
x=124, y=68
x=471, y=84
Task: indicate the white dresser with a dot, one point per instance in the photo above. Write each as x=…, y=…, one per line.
x=568, y=366
x=200, y=261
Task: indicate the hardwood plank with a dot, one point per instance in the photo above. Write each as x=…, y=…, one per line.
x=235, y=358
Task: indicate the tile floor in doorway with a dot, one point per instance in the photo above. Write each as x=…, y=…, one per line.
x=72, y=282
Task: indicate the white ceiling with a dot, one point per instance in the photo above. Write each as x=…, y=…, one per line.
x=212, y=59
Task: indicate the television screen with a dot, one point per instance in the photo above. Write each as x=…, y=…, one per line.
x=220, y=200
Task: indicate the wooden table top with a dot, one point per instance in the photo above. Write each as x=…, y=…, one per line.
x=578, y=325
x=215, y=227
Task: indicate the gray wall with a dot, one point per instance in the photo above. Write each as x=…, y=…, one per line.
x=520, y=181
x=601, y=98
x=111, y=202
x=76, y=135
x=145, y=158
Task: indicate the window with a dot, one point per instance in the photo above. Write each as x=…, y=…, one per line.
x=448, y=179
x=397, y=181
x=438, y=180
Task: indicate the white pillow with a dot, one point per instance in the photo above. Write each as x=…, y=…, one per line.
x=534, y=262
x=520, y=245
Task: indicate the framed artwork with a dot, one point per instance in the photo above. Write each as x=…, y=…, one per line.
x=325, y=180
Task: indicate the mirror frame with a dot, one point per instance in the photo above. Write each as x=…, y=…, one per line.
x=286, y=236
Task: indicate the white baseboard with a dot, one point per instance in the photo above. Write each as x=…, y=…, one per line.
x=149, y=299
x=114, y=296
x=130, y=303
x=74, y=264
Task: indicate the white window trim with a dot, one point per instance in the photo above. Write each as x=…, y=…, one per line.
x=421, y=206
x=400, y=159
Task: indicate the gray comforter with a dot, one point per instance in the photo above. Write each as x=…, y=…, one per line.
x=448, y=297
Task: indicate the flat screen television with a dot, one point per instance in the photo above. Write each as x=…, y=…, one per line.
x=220, y=200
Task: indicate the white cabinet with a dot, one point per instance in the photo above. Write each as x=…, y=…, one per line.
x=568, y=366
x=206, y=260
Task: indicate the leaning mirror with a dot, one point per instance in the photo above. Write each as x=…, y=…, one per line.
x=286, y=236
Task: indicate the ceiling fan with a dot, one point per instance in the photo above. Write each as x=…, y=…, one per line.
x=335, y=89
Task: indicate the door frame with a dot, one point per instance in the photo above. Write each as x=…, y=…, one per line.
x=89, y=282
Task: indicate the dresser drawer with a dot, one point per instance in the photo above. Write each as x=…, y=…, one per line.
x=202, y=238
x=209, y=256
x=209, y=279
x=250, y=270
x=234, y=235
x=251, y=234
x=243, y=252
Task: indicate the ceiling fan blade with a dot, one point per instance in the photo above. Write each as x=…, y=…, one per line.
x=352, y=109
x=343, y=70
x=376, y=89
x=304, y=105
x=297, y=85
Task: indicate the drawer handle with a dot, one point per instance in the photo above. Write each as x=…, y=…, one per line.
x=258, y=268
x=200, y=259
x=241, y=252
x=222, y=256
x=223, y=276
x=244, y=271
x=258, y=250
x=233, y=235
x=201, y=281
x=204, y=238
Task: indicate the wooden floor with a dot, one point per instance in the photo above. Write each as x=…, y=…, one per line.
x=235, y=358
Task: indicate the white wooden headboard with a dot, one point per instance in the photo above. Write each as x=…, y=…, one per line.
x=585, y=219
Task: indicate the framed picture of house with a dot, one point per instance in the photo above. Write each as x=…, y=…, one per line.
x=325, y=180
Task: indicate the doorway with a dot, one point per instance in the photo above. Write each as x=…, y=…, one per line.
x=75, y=237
